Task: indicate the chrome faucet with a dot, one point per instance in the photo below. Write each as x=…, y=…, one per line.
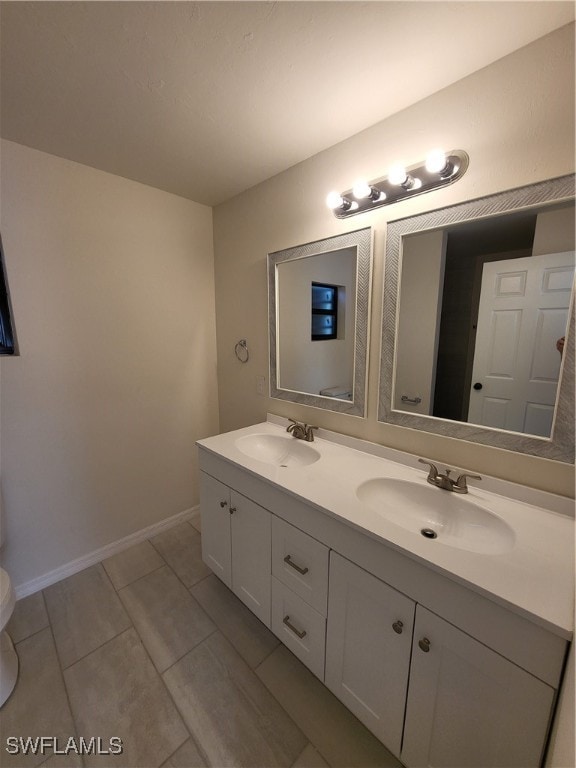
x=301, y=431
x=445, y=481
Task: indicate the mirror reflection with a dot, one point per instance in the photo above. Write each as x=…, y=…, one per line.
x=482, y=316
x=319, y=297
x=315, y=319
x=445, y=369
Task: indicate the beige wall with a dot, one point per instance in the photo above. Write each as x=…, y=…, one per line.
x=554, y=232
x=515, y=118
x=113, y=293
x=419, y=315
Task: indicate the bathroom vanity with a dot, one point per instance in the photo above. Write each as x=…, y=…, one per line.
x=449, y=646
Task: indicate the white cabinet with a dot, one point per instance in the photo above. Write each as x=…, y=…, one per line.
x=468, y=706
x=465, y=704
x=236, y=543
x=368, y=644
x=460, y=683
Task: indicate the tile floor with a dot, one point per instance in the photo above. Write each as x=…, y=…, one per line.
x=151, y=648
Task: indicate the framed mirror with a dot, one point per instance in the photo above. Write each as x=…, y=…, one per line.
x=478, y=321
x=319, y=304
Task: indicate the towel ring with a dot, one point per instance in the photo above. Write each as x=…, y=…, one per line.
x=241, y=351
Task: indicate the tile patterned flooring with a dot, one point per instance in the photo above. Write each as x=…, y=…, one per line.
x=151, y=648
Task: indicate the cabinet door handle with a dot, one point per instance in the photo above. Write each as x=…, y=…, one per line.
x=424, y=644
x=292, y=564
x=232, y=510
x=398, y=626
x=292, y=628
x=223, y=504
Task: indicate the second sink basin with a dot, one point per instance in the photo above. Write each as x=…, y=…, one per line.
x=277, y=449
x=450, y=518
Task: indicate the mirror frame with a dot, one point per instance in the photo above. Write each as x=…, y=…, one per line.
x=360, y=239
x=560, y=446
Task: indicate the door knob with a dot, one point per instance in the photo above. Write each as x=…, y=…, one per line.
x=232, y=510
x=477, y=385
x=424, y=644
x=223, y=504
x=398, y=626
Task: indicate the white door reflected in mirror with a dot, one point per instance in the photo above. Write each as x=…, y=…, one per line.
x=483, y=308
x=523, y=313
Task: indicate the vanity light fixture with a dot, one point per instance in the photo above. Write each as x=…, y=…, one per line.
x=438, y=170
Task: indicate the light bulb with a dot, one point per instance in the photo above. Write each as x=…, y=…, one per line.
x=397, y=175
x=334, y=200
x=436, y=161
x=362, y=189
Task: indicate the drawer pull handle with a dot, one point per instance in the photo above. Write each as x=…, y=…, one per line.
x=398, y=626
x=424, y=644
x=232, y=510
x=292, y=628
x=223, y=504
x=289, y=562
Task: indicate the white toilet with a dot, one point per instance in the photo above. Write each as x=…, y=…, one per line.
x=8, y=657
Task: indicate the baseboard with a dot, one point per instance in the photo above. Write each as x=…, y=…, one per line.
x=69, y=569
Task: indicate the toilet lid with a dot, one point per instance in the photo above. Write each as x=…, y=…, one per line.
x=7, y=598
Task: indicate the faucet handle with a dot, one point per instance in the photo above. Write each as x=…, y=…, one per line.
x=433, y=473
x=461, y=481
x=308, y=432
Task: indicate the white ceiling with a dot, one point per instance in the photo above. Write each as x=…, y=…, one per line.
x=206, y=99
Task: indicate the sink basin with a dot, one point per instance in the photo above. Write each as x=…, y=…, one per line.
x=277, y=449
x=444, y=516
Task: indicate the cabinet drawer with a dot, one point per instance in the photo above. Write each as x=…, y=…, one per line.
x=301, y=563
x=299, y=627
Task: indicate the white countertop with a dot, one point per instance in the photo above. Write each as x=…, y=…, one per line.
x=535, y=578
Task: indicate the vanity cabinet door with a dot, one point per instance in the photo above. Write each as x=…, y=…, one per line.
x=468, y=706
x=237, y=543
x=251, y=554
x=369, y=637
x=216, y=532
